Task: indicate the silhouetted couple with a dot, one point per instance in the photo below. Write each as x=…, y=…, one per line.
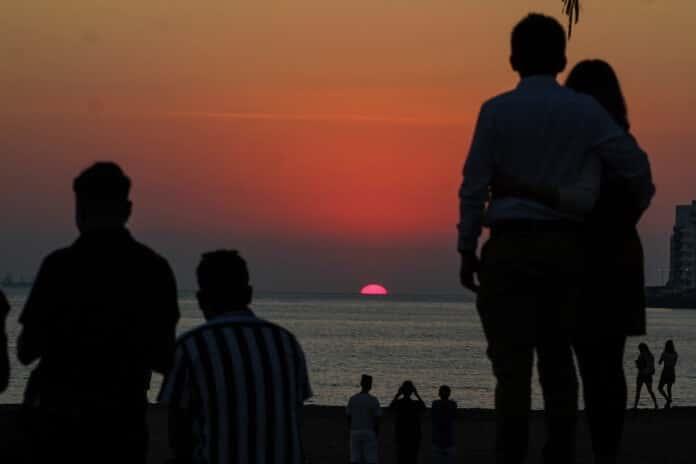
x=562, y=271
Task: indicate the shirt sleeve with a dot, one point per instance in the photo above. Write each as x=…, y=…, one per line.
x=348, y=407
x=176, y=388
x=165, y=307
x=477, y=175
x=4, y=358
x=378, y=409
x=4, y=305
x=36, y=313
x=304, y=389
x=581, y=197
x=624, y=159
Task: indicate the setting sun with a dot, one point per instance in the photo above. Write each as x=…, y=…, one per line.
x=374, y=289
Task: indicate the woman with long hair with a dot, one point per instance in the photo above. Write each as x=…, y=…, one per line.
x=612, y=303
x=668, y=359
x=646, y=369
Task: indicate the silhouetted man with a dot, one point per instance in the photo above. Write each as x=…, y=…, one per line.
x=4, y=358
x=444, y=414
x=237, y=388
x=546, y=135
x=363, y=413
x=100, y=318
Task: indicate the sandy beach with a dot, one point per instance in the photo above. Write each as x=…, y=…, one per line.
x=652, y=437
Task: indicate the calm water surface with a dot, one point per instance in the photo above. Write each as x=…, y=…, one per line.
x=430, y=340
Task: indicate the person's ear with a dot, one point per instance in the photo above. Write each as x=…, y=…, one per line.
x=562, y=64
x=128, y=210
x=514, y=63
x=250, y=294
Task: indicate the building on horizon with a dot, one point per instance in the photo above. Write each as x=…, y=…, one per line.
x=682, y=262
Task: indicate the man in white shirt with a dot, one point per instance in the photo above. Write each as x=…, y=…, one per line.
x=548, y=136
x=363, y=412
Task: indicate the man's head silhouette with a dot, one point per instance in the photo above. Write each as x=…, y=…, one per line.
x=223, y=283
x=538, y=46
x=444, y=392
x=101, y=197
x=366, y=382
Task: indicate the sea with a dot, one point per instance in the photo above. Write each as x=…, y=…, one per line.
x=430, y=340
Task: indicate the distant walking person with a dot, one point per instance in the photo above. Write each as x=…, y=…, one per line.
x=99, y=319
x=613, y=294
x=4, y=358
x=237, y=388
x=668, y=359
x=364, y=413
x=646, y=369
x=532, y=266
x=408, y=413
x=444, y=415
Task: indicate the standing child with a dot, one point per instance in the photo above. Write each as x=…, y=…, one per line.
x=363, y=412
x=444, y=412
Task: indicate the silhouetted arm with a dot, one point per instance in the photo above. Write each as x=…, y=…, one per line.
x=176, y=394
x=396, y=398
x=163, y=323
x=421, y=403
x=477, y=176
x=626, y=162
x=34, y=317
x=4, y=357
x=578, y=198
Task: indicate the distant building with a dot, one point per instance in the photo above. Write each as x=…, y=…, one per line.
x=682, y=265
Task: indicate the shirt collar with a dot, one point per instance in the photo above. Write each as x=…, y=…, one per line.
x=98, y=235
x=232, y=316
x=541, y=81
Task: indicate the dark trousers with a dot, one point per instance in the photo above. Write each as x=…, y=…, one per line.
x=600, y=360
x=407, y=450
x=103, y=436
x=530, y=286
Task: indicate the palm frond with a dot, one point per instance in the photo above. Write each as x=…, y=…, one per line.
x=572, y=9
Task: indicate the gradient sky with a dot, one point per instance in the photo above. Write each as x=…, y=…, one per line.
x=324, y=139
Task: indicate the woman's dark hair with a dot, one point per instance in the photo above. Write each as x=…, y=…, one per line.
x=643, y=347
x=598, y=79
x=669, y=347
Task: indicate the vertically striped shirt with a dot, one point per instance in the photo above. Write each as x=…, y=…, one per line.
x=243, y=380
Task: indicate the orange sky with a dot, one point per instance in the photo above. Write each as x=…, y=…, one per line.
x=302, y=126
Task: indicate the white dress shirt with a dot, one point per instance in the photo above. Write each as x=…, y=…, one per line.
x=547, y=135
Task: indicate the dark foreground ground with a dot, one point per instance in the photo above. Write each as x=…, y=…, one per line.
x=655, y=437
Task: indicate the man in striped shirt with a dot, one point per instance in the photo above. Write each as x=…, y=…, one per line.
x=238, y=383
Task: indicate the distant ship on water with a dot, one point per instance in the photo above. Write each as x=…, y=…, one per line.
x=10, y=282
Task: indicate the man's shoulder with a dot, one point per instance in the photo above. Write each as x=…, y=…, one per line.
x=234, y=324
x=498, y=101
x=58, y=257
x=147, y=254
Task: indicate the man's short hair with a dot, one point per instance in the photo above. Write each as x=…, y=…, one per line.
x=366, y=380
x=103, y=182
x=224, y=275
x=538, y=45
